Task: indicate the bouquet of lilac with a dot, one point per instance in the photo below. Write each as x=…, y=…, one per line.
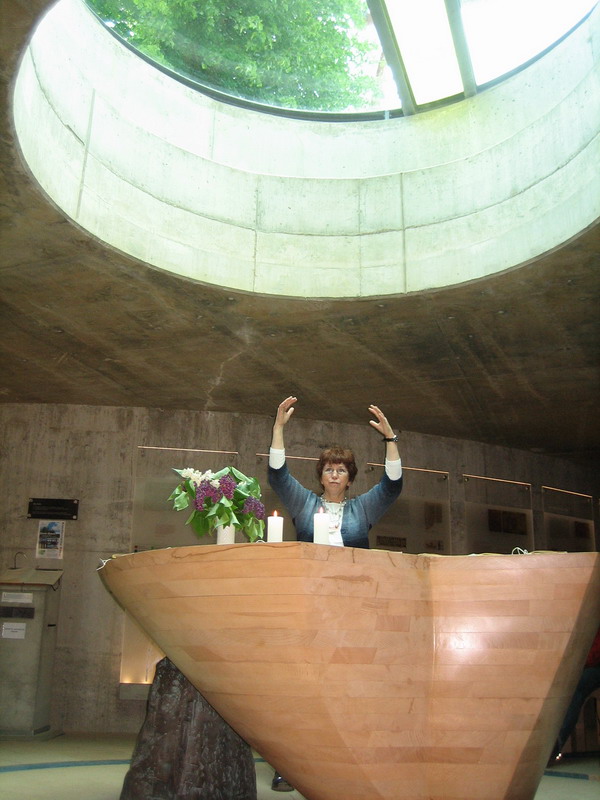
x=227, y=497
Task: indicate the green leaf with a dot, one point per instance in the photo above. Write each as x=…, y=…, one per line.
x=254, y=530
x=181, y=502
x=199, y=524
x=239, y=475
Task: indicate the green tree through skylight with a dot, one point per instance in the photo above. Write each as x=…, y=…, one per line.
x=302, y=54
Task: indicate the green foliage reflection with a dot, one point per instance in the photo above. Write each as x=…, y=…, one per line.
x=299, y=54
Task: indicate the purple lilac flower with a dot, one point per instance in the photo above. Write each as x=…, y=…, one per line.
x=206, y=491
x=227, y=486
x=254, y=506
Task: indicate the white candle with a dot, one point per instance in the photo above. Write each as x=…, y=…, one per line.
x=321, y=529
x=275, y=528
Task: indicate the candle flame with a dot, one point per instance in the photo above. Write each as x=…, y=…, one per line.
x=321, y=510
x=275, y=514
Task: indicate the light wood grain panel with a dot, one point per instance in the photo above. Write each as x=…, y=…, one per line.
x=367, y=674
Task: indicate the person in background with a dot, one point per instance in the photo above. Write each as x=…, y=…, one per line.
x=349, y=519
x=589, y=682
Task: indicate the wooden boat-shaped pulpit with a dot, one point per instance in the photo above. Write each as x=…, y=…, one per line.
x=367, y=674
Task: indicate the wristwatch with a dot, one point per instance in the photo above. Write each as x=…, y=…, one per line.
x=393, y=438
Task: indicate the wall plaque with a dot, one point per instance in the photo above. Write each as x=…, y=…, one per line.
x=48, y=508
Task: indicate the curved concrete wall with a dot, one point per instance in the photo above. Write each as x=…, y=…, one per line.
x=261, y=203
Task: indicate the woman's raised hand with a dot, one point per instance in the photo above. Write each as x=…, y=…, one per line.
x=381, y=424
x=285, y=410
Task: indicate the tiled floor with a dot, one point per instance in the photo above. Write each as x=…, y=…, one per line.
x=93, y=767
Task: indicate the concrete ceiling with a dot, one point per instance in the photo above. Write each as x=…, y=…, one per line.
x=511, y=360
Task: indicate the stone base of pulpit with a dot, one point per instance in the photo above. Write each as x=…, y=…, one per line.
x=185, y=750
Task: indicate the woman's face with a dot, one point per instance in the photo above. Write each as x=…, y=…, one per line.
x=335, y=477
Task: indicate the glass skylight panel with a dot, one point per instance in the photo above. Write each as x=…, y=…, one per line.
x=503, y=34
x=423, y=35
x=325, y=56
x=385, y=96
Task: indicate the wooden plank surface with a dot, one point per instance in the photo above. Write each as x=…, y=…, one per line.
x=365, y=674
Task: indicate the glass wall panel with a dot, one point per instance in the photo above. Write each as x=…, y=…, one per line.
x=498, y=515
x=155, y=523
x=503, y=34
x=568, y=519
x=423, y=34
x=419, y=521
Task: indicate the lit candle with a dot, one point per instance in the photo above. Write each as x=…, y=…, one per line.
x=321, y=529
x=275, y=528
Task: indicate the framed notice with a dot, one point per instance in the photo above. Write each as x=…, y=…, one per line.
x=50, y=539
x=13, y=630
x=52, y=508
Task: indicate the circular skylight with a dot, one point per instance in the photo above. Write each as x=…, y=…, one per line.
x=341, y=56
x=264, y=203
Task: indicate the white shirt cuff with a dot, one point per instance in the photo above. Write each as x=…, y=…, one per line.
x=393, y=469
x=276, y=458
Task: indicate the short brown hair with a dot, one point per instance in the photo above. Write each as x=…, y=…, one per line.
x=334, y=454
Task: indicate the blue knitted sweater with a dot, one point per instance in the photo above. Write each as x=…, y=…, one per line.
x=360, y=513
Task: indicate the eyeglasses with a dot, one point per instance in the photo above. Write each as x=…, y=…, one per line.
x=339, y=470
